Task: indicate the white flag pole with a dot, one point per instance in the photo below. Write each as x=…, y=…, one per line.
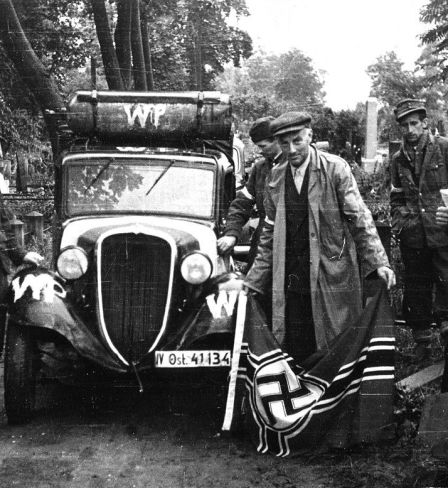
x=236, y=353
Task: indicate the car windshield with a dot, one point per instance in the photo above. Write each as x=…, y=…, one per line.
x=167, y=186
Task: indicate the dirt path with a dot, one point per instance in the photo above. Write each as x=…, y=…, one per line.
x=160, y=440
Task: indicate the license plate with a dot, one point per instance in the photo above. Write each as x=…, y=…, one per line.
x=191, y=359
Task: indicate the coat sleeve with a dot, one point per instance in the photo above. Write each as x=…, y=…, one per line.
x=259, y=277
x=241, y=208
x=360, y=223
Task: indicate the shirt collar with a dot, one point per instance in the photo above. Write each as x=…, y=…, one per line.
x=302, y=168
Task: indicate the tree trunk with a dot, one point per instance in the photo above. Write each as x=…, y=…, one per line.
x=110, y=61
x=147, y=53
x=123, y=41
x=137, y=48
x=29, y=66
x=199, y=57
x=30, y=69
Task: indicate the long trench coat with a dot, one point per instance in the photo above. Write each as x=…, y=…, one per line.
x=340, y=229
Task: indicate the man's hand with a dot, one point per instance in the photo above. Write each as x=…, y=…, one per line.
x=33, y=258
x=442, y=216
x=226, y=244
x=387, y=275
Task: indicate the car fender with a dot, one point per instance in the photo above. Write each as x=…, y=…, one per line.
x=39, y=299
x=213, y=315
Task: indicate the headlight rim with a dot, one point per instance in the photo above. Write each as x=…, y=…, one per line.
x=68, y=248
x=201, y=253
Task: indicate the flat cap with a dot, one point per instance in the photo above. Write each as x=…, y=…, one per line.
x=409, y=106
x=261, y=129
x=290, y=122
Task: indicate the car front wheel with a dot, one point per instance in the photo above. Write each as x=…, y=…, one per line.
x=20, y=373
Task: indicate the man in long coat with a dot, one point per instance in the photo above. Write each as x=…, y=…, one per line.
x=315, y=227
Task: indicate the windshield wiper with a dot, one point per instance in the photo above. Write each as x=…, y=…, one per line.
x=100, y=172
x=160, y=176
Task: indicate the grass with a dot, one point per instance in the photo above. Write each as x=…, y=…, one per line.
x=405, y=462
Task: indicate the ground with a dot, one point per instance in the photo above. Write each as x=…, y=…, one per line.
x=156, y=440
x=172, y=439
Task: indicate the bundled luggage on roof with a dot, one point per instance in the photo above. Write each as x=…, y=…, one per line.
x=152, y=119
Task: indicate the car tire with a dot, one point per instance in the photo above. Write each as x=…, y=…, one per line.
x=20, y=374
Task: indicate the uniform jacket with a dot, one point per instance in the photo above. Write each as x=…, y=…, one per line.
x=340, y=227
x=413, y=206
x=241, y=208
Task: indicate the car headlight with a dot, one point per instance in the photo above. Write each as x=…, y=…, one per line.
x=196, y=268
x=72, y=263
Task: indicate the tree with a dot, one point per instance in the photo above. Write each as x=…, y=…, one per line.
x=391, y=83
x=191, y=41
x=41, y=44
x=435, y=12
x=36, y=53
x=297, y=81
x=272, y=84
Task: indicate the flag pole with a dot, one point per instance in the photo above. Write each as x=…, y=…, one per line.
x=236, y=353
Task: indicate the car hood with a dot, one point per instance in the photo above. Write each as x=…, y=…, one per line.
x=187, y=235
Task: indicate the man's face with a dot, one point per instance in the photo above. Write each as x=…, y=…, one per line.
x=295, y=145
x=412, y=127
x=269, y=148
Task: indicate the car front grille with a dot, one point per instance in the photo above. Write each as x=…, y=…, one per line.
x=134, y=276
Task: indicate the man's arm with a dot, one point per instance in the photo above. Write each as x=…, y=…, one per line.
x=239, y=213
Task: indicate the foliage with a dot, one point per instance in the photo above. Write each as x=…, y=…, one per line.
x=435, y=12
x=60, y=32
x=349, y=125
x=192, y=40
x=189, y=42
x=272, y=84
x=392, y=83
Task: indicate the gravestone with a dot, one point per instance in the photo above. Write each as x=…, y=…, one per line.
x=371, y=134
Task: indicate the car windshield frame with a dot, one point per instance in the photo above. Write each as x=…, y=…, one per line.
x=166, y=162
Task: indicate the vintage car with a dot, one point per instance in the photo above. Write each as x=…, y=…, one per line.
x=143, y=183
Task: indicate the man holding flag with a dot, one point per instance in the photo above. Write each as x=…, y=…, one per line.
x=324, y=373
x=316, y=226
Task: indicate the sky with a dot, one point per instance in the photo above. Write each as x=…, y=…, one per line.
x=342, y=37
